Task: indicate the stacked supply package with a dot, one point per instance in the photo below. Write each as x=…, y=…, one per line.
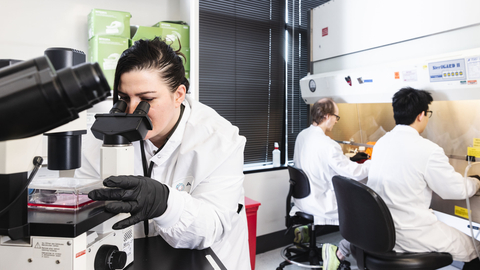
x=144, y=32
x=177, y=34
x=108, y=37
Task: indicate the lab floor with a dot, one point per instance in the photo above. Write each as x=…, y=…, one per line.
x=271, y=259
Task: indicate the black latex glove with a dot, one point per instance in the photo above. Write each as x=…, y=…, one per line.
x=359, y=156
x=475, y=176
x=142, y=197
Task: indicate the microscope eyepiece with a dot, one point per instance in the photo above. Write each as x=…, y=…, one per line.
x=119, y=128
x=142, y=108
x=119, y=107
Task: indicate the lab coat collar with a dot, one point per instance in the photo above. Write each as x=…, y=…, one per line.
x=405, y=128
x=176, y=138
x=317, y=129
x=177, y=135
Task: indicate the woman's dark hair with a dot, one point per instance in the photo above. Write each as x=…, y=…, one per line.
x=156, y=55
x=322, y=108
x=408, y=103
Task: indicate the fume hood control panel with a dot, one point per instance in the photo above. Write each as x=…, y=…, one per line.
x=453, y=76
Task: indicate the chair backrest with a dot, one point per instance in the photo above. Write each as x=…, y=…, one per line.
x=365, y=220
x=299, y=188
x=299, y=183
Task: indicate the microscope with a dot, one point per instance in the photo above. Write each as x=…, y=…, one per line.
x=45, y=96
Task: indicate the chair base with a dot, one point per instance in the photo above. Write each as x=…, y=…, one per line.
x=302, y=253
x=397, y=261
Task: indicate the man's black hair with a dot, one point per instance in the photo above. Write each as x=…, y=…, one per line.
x=408, y=103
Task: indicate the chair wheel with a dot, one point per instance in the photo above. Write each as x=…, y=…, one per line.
x=345, y=265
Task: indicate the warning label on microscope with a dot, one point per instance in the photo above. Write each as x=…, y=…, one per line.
x=50, y=249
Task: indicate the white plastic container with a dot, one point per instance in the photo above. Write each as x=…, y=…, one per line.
x=276, y=156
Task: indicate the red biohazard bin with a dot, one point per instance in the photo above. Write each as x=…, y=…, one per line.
x=251, y=208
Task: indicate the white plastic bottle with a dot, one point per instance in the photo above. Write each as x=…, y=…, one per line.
x=276, y=156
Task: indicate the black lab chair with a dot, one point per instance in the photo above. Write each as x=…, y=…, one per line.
x=298, y=253
x=366, y=222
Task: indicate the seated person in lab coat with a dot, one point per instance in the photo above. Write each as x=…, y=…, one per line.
x=321, y=158
x=406, y=168
x=188, y=179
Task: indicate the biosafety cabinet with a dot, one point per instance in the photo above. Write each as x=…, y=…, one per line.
x=363, y=51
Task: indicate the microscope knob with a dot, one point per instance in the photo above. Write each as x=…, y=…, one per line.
x=119, y=259
x=109, y=258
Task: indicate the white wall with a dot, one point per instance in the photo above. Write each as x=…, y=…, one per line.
x=28, y=27
x=31, y=26
x=270, y=189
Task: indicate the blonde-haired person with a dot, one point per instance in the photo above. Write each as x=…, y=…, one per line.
x=321, y=158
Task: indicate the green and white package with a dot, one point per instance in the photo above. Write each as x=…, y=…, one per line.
x=186, y=62
x=106, y=51
x=102, y=22
x=175, y=33
x=145, y=32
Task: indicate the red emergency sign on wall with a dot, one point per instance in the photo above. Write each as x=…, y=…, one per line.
x=324, y=31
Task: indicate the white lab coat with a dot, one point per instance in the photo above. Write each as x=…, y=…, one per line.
x=405, y=169
x=321, y=158
x=202, y=164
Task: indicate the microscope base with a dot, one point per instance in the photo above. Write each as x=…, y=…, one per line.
x=69, y=246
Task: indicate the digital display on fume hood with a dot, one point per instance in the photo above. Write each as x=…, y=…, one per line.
x=449, y=70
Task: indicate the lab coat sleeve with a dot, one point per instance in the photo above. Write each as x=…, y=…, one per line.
x=202, y=218
x=342, y=165
x=445, y=181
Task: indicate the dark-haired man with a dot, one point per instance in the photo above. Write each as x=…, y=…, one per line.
x=406, y=168
x=321, y=158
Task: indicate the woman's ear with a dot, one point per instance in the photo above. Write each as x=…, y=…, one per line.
x=179, y=95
